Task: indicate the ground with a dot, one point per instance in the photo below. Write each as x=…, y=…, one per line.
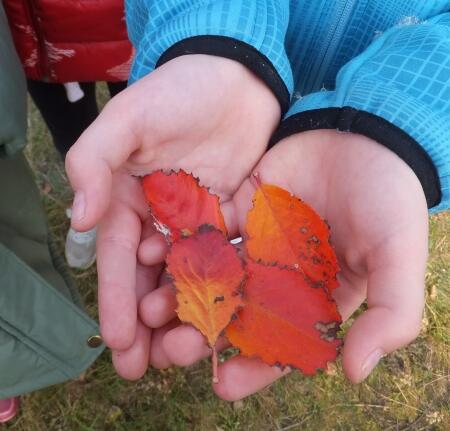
x=410, y=389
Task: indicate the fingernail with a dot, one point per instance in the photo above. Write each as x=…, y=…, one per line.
x=370, y=362
x=78, y=207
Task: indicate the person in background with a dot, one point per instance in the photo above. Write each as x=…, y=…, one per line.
x=64, y=47
x=46, y=337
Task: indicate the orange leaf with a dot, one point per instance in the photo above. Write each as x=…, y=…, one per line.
x=208, y=275
x=285, y=321
x=180, y=205
x=283, y=229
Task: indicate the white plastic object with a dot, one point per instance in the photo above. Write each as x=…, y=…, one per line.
x=80, y=247
x=73, y=91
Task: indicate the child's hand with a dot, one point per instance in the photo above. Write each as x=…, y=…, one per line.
x=207, y=115
x=379, y=224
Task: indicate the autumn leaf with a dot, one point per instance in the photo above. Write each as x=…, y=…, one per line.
x=180, y=205
x=284, y=230
x=278, y=307
x=208, y=275
x=285, y=321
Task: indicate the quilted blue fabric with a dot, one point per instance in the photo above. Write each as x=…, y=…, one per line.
x=154, y=26
x=390, y=58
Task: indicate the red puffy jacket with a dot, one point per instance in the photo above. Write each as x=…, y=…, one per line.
x=71, y=40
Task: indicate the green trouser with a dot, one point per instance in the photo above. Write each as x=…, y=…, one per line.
x=44, y=331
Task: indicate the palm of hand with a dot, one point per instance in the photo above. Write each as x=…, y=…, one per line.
x=372, y=200
x=379, y=224
x=206, y=115
x=377, y=211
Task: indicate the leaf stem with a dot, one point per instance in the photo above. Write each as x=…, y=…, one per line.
x=257, y=178
x=215, y=361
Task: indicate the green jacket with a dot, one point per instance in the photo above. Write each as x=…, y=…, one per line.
x=44, y=331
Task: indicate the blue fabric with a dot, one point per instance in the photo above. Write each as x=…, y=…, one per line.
x=390, y=58
x=156, y=25
x=403, y=77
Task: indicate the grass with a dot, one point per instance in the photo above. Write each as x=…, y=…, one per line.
x=410, y=390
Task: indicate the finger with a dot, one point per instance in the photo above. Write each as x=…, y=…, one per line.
x=158, y=307
x=350, y=294
x=395, y=298
x=185, y=345
x=240, y=377
x=117, y=242
x=153, y=250
x=230, y=217
x=148, y=226
x=90, y=163
x=131, y=364
x=235, y=211
x=158, y=356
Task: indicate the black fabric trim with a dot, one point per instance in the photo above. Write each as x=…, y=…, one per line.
x=237, y=50
x=347, y=119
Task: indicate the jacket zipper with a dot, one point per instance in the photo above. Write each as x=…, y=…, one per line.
x=42, y=64
x=344, y=9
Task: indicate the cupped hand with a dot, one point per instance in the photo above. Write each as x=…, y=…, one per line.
x=379, y=227
x=207, y=115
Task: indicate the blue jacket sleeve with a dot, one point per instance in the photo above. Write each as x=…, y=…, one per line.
x=251, y=32
x=398, y=93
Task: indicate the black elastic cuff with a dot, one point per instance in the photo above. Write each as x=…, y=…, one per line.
x=348, y=119
x=237, y=50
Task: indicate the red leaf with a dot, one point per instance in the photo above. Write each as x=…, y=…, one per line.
x=208, y=275
x=180, y=205
x=285, y=321
x=283, y=229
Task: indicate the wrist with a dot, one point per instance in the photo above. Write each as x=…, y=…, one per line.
x=232, y=80
x=384, y=132
x=230, y=87
x=240, y=79
x=235, y=50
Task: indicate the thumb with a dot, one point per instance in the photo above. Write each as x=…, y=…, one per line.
x=100, y=151
x=393, y=320
x=235, y=211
